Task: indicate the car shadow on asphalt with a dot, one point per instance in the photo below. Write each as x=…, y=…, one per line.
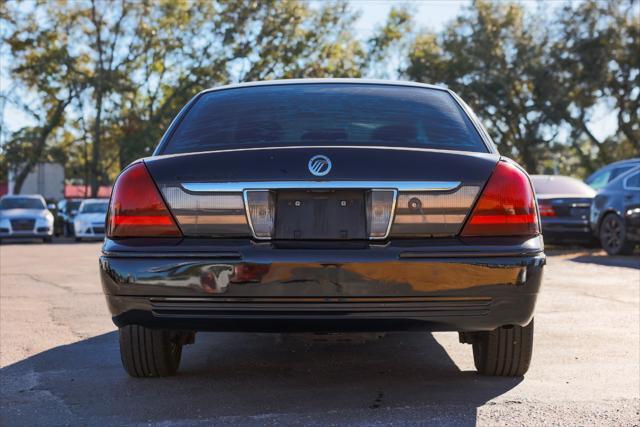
x=248, y=379
x=630, y=261
x=595, y=256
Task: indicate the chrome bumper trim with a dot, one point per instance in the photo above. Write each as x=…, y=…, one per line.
x=216, y=187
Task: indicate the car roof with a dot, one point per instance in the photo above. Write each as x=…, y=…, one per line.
x=622, y=163
x=326, y=81
x=22, y=196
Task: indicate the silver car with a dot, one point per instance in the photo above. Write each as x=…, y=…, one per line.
x=26, y=217
x=89, y=221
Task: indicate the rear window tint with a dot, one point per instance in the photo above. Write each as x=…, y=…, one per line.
x=325, y=114
x=561, y=185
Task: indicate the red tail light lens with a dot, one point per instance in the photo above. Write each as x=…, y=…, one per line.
x=137, y=209
x=506, y=207
x=546, y=210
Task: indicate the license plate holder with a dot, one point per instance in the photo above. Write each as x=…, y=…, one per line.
x=320, y=215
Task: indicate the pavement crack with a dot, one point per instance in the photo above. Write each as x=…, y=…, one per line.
x=39, y=280
x=607, y=298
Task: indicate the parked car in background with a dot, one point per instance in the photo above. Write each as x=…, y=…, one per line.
x=25, y=216
x=58, y=224
x=564, y=205
x=90, y=219
x=606, y=174
x=67, y=210
x=615, y=213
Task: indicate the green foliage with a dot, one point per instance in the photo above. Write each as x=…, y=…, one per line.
x=129, y=66
x=103, y=79
x=531, y=78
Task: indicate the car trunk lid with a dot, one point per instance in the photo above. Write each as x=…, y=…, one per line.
x=221, y=193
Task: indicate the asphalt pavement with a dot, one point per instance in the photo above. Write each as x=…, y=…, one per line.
x=60, y=365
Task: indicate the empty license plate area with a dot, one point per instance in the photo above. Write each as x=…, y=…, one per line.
x=320, y=214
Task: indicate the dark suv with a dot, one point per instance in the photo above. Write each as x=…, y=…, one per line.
x=615, y=213
x=323, y=205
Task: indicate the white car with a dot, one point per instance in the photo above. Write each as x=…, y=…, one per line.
x=26, y=217
x=90, y=219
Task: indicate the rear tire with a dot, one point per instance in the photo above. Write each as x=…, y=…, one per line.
x=613, y=236
x=505, y=351
x=149, y=352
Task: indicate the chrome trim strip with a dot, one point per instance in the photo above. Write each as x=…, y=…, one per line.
x=218, y=187
x=322, y=147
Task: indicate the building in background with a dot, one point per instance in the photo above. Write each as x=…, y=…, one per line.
x=46, y=179
x=80, y=191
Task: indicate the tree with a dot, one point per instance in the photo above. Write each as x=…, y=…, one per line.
x=539, y=82
x=594, y=66
x=43, y=65
x=131, y=65
x=492, y=58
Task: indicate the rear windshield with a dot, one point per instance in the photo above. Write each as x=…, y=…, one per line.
x=561, y=185
x=325, y=114
x=21, y=203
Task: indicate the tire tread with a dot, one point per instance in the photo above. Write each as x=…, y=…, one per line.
x=147, y=352
x=505, y=351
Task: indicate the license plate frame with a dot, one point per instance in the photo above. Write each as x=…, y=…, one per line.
x=320, y=215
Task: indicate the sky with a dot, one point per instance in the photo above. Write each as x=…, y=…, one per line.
x=433, y=14
x=429, y=14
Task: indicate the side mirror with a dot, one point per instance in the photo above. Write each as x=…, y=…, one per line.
x=51, y=206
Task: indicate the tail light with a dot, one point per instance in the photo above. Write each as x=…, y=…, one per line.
x=506, y=206
x=546, y=210
x=137, y=209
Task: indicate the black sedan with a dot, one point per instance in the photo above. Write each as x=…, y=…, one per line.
x=564, y=204
x=615, y=214
x=322, y=206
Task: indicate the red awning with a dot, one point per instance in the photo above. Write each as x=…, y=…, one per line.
x=82, y=191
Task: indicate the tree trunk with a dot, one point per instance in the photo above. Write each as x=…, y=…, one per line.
x=528, y=157
x=95, y=152
x=37, y=152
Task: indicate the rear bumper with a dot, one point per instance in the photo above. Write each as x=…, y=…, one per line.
x=259, y=287
x=42, y=232
x=569, y=229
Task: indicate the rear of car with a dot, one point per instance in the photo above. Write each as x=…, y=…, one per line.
x=25, y=216
x=564, y=205
x=323, y=206
x=89, y=222
x=615, y=214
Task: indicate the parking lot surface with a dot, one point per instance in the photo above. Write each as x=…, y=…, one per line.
x=59, y=359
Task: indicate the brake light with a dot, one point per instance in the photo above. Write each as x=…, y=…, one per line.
x=506, y=207
x=546, y=210
x=137, y=209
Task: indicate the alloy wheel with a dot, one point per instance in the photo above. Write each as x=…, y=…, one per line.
x=612, y=234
